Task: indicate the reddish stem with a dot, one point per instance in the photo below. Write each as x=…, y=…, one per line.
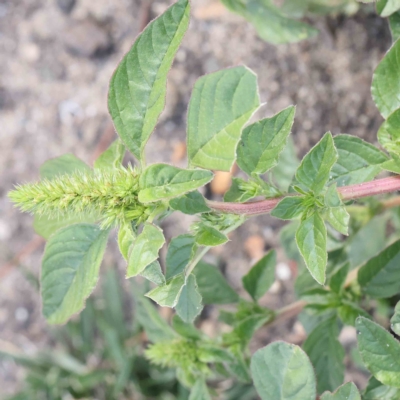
x=352, y=192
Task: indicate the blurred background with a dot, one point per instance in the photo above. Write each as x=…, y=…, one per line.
x=56, y=58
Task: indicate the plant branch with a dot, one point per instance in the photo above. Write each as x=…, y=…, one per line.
x=352, y=192
x=287, y=312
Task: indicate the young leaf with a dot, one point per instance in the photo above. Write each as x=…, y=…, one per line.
x=380, y=352
x=326, y=354
x=289, y=208
x=358, y=160
x=180, y=251
x=387, y=7
x=70, y=268
x=261, y=276
x=112, y=157
x=336, y=213
x=348, y=391
x=315, y=167
x=271, y=24
x=206, y=235
x=282, y=371
x=145, y=249
x=168, y=294
x=154, y=273
x=200, y=391
x=212, y=285
x=137, y=89
x=63, y=165
x=221, y=103
x=189, y=303
x=386, y=82
x=311, y=242
x=190, y=203
x=126, y=237
x=380, y=276
x=163, y=181
x=262, y=142
x=155, y=326
x=395, y=320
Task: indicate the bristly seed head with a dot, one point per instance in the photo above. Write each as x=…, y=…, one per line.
x=113, y=195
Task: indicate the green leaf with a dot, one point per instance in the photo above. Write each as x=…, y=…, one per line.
x=153, y=273
x=386, y=82
x=180, y=251
x=262, y=142
x=248, y=319
x=126, y=238
x=155, y=326
x=45, y=226
x=145, y=249
x=189, y=303
x=311, y=242
x=185, y=329
x=212, y=285
x=208, y=236
x=326, y=354
x=162, y=181
x=271, y=25
x=395, y=320
x=389, y=135
x=315, y=167
x=367, y=242
x=358, y=160
x=221, y=103
x=282, y=371
x=286, y=168
x=70, y=268
x=387, y=7
x=380, y=352
x=380, y=276
x=338, y=277
x=261, y=276
x=63, y=165
x=168, y=294
x=200, y=391
x=289, y=208
x=348, y=312
x=137, y=89
x=190, y=203
x=376, y=391
x=112, y=157
x=348, y=391
x=394, y=23
x=336, y=213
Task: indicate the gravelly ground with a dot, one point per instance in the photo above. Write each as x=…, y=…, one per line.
x=54, y=72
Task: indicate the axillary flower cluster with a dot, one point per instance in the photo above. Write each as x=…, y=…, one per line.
x=111, y=195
